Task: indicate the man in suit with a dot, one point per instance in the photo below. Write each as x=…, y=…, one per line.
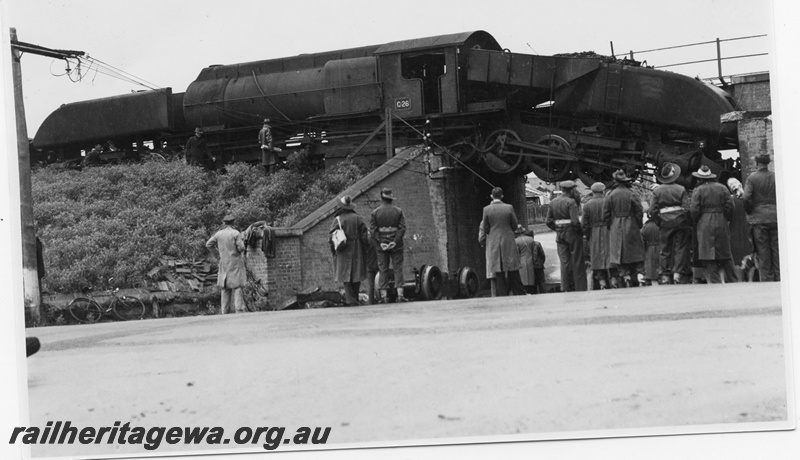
x=497, y=235
x=232, y=274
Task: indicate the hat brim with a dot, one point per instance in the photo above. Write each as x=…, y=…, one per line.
x=699, y=176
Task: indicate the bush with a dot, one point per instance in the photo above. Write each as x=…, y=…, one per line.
x=118, y=221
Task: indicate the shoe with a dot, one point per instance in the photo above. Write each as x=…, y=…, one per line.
x=628, y=283
x=32, y=345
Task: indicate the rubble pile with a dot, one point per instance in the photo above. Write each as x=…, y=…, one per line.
x=181, y=275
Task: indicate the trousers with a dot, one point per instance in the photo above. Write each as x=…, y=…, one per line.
x=225, y=301
x=765, y=240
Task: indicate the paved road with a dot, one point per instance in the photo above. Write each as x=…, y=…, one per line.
x=658, y=359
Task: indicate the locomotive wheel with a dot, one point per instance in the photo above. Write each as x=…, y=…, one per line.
x=552, y=169
x=467, y=283
x=432, y=283
x=497, y=156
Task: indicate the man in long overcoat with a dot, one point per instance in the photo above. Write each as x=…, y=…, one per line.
x=349, y=261
x=622, y=213
x=526, y=246
x=596, y=233
x=762, y=213
x=232, y=274
x=387, y=225
x=669, y=206
x=563, y=216
x=712, y=210
x=497, y=235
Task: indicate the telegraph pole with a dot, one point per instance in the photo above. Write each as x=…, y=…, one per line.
x=30, y=273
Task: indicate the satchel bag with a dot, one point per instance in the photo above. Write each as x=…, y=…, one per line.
x=338, y=237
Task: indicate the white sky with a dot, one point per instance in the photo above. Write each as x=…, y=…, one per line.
x=168, y=42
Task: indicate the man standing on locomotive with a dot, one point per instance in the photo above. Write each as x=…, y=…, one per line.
x=762, y=214
x=669, y=207
x=232, y=274
x=564, y=217
x=197, y=151
x=269, y=159
x=387, y=225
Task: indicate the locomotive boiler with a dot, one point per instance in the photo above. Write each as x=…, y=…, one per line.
x=558, y=116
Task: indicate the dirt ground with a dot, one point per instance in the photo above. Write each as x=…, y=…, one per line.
x=651, y=360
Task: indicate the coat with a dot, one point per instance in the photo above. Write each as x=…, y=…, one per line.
x=387, y=224
x=596, y=231
x=498, y=225
x=350, y=261
x=759, y=197
x=712, y=210
x=651, y=237
x=622, y=213
x=526, y=246
x=667, y=196
x=230, y=244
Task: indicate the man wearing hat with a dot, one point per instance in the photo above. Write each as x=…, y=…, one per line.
x=563, y=216
x=596, y=233
x=669, y=207
x=623, y=216
x=349, y=260
x=269, y=159
x=387, y=225
x=496, y=235
x=762, y=214
x=232, y=275
x=712, y=210
x=197, y=151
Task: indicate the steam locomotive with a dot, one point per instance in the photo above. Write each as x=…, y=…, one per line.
x=571, y=116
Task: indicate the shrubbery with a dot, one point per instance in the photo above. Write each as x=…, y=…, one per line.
x=117, y=221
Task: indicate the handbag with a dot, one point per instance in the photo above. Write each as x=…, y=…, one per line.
x=338, y=236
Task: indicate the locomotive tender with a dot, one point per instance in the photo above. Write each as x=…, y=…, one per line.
x=558, y=116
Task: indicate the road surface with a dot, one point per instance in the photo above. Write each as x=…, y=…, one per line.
x=660, y=359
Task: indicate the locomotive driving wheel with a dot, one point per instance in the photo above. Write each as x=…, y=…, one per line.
x=552, y=169
x=500, y=157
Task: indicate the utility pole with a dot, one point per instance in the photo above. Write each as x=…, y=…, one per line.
x=30, y=273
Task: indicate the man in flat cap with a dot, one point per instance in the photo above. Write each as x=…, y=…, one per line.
x=669, y=207
x=197, y=151
x=563, y=216
x=596, y=233
x=623, y=215
x=387, y=225
x=712, y=210
x=232, y=274
x=762, y=213
x=496, y=235
x=269, y=159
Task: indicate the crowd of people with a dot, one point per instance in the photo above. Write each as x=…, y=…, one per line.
x=687, y=237
x=603, y=243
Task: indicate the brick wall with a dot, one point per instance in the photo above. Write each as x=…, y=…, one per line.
x=755, y=138
x=442, y=216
